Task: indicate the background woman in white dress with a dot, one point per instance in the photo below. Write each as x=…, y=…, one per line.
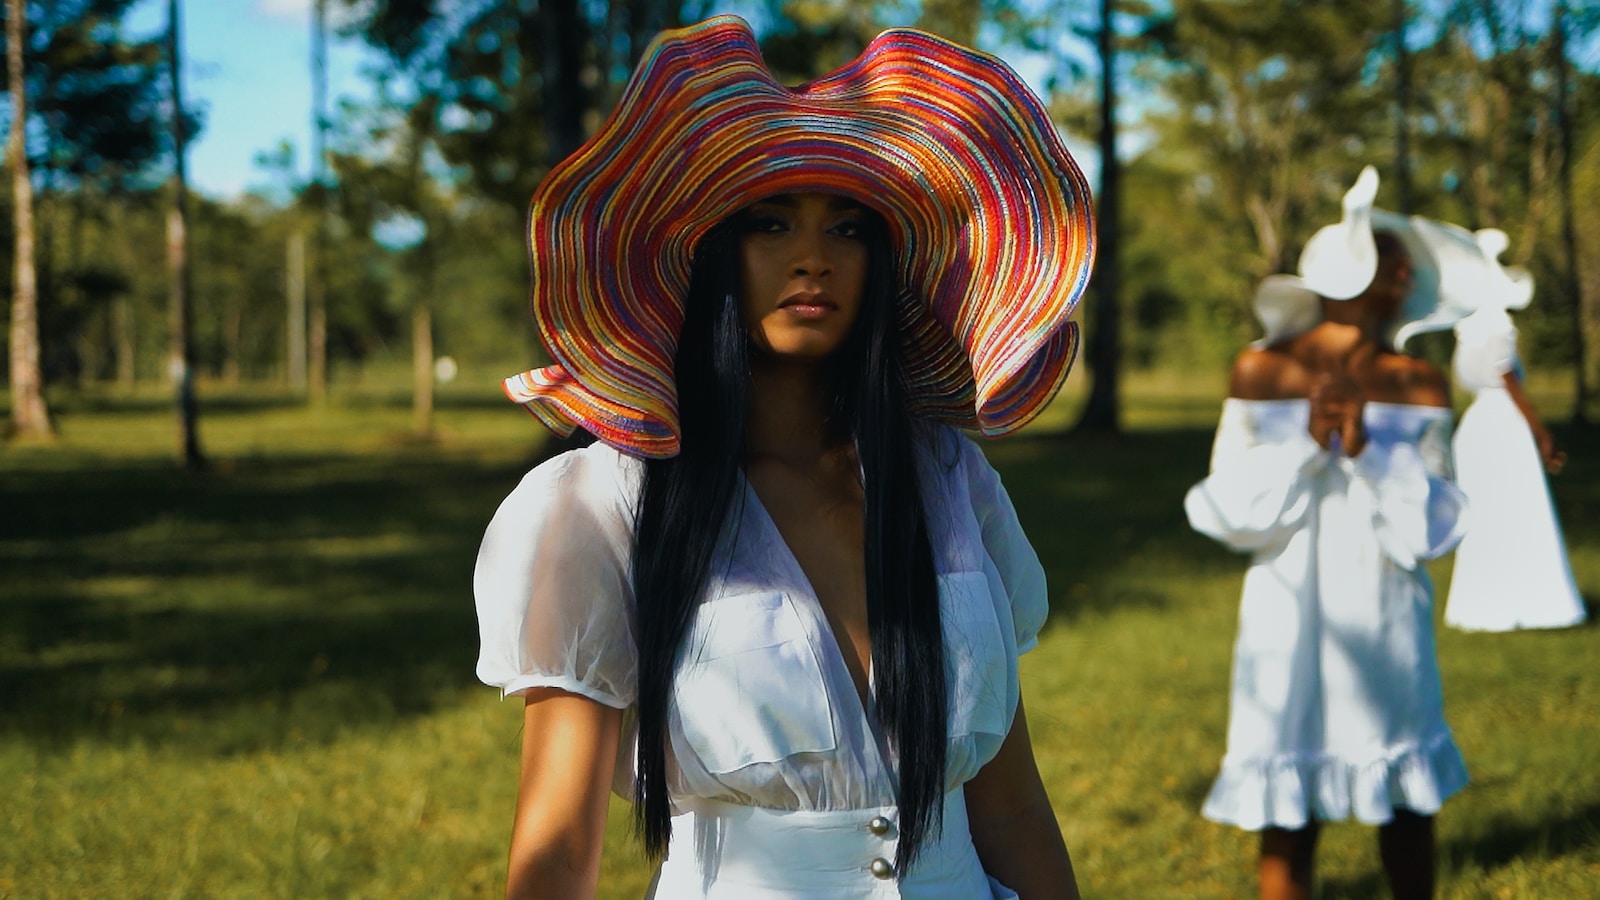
x=1511, y=570
x=779, y=604
x=1331, y=468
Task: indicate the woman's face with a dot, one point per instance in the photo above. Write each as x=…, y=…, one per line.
x=1393, y=281
x=802, y=271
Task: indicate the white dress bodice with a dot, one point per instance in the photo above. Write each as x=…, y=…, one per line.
x=763, y=713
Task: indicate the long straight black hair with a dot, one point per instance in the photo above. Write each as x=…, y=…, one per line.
x=687, y=502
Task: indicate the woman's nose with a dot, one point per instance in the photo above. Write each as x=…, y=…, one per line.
x=811, y=256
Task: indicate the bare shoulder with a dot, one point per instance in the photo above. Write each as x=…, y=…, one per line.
x=1267, y=373
x=1415, y=381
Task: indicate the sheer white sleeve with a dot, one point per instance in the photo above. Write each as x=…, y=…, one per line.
x=1009, y=549
x=1259, y=490
x=554, y=597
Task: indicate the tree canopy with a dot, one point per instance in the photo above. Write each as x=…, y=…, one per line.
x=1240, y=125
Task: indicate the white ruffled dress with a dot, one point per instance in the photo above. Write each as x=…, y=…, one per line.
x=780, y=781
x=1511, y=569
x=1336, y=708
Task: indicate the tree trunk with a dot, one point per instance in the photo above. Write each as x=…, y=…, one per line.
x=317, y=292
x=1102, y=413
x=562, y=31
x=1402, y=62
x=233, y=339
x=422, y=368
x=1539, y=159
x=181, y=364
x=123, y=322
x=30, y=418
x=295, y=327
x=1569, y=228
x=122, y=340
x=1475, y=148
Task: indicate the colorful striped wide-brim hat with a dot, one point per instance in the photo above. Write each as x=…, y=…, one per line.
x=989, y=219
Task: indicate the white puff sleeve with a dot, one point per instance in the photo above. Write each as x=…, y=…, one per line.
x=1260, y=488
x=1418, y=512
x=1007, y=547
x=554, y=597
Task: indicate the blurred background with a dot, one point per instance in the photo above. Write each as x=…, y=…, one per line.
x=359, y=171
x=278, y=270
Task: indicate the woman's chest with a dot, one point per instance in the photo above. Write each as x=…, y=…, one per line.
x=1283, y=421
x=765, y=708
x=818, y=517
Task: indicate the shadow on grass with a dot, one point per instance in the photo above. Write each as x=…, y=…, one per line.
x=221, y=612
x=1501, y=844
x=115, y=404
x=1093, y=505
x=141, y=603
x=291, y=599
x=1504, y=841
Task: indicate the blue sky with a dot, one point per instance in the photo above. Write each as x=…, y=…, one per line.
x=249, y=68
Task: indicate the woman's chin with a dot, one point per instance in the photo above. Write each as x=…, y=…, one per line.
x=801, y=348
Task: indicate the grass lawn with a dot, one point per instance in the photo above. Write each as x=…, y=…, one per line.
x=258, y=681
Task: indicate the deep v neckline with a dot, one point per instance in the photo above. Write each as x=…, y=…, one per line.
x=810, y=607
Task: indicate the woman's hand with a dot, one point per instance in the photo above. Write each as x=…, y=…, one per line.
x=569, y=749
x=1336, y=405
x=1553, y=457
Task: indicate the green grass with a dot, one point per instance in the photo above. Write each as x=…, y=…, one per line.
x=258, y=681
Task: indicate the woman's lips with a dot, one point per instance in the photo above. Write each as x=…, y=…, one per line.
x=808, y=307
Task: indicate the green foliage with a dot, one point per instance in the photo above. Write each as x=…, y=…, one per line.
x=1241, y=125
x=257, y=682
x=1273, y=102
x=94, y=96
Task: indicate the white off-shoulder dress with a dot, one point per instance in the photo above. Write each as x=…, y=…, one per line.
x=1336, y=709
x=781, y=783
x=1511, y=569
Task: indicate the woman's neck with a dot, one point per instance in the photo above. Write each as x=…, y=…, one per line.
x=1354, y=314
x=1333, y=345
x=787, y=418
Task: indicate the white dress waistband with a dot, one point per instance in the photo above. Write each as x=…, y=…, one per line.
x=723, y=850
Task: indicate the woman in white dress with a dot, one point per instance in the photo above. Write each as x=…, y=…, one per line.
x=1331, y=468
x=779, y=604
x=1511, y=570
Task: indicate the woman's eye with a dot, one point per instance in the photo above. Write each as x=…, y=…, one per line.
x=851, y=229
x=764, y=224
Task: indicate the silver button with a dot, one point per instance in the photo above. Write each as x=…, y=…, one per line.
x=879, y=826
x=881, y=868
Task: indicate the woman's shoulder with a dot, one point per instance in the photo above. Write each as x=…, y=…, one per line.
x=597, y=477
x=1412, y=381
x=1268, y=373
x=951, y=464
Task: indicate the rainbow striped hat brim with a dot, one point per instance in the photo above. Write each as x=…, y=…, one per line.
x=989, y=218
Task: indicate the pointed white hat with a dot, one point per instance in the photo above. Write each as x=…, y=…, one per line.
x=1451, y=273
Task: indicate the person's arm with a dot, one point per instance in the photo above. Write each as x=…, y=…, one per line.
x=1554, y=457
x=1336, y=411
x=569, y=749
x=1013, y=827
